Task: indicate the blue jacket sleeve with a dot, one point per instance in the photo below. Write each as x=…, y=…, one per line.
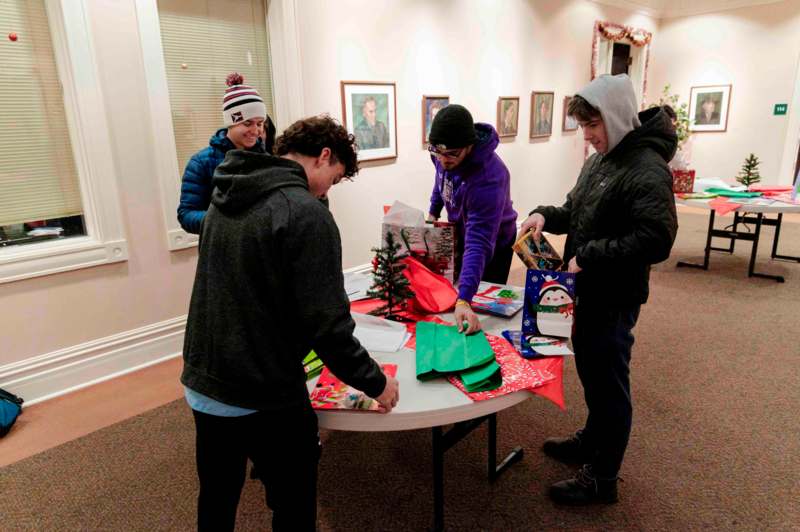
x=484, y=207
x=196, y=190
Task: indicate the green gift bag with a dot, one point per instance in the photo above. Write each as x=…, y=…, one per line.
x=483, y=378
x=442, y=349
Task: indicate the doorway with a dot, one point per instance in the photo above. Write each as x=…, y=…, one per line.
x=621, y=59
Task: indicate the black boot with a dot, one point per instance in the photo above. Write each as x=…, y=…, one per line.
x=585, y=489
x=570, y=450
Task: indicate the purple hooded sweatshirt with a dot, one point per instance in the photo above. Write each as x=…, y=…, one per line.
x=477, y=196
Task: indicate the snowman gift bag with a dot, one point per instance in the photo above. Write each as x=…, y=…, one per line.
x=549, y=303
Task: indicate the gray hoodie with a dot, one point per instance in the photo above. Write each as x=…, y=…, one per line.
x=268, y=289
x=615, y=98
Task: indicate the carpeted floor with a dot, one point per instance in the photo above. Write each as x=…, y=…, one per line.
x=715, y=444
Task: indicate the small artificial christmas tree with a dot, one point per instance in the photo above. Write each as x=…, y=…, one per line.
x=749, y=174
x=389, y=284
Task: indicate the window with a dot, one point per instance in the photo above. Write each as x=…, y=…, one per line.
x=203, y=42
x=38, y=177
x=55, y=213
x=189, y=47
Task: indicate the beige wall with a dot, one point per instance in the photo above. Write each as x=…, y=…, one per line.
x=44, y=314
x=755, y=50
x=473, y=51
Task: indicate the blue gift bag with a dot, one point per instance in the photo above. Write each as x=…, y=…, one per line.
x=549, y=303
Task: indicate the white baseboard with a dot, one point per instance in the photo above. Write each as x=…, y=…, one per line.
x=52, y=374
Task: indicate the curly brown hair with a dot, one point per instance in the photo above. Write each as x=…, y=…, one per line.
x=309, y=135
x=582, y=110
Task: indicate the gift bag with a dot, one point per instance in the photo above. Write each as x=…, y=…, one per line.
x=549, y=303
x=433, y=244
x=537, y=255
x=682, y=180
x=432, y=292
x=441, y=349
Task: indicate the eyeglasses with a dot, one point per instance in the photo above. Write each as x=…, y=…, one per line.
x=440, y=151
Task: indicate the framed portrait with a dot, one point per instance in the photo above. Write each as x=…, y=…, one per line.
x=507, y=116
x=430, y=106
x=708, y=108
x=541, y=114
x=369, y=112
x=568, y=123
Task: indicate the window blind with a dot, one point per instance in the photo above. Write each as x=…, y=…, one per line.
x=38, y=176
x=204, y=41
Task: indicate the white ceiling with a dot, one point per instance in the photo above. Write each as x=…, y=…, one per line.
x=682, y=8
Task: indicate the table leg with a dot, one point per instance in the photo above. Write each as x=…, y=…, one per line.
x=759, y=218
x=704, y=266
x=751, y=269
x=732, y=244
x=442, y=441
x=774, y=254
x=438, y=479
x=513, y=457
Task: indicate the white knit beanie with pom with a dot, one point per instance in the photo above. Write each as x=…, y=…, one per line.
x=241, y=102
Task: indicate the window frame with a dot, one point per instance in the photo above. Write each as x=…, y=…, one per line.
x=105, y=241
x=282, y=32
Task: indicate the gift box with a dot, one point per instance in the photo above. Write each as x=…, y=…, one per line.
x=549, y=303
x=682, y=181
x=537, y=255
x=433, y=244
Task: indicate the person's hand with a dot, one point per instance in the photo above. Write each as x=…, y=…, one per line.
x=573, y=265
x=535, y=223
x=431, y=218
x=390, y=396
x=466, y=319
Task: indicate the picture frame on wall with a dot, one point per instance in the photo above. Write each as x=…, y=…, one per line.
x=708, y=107
x=541, y=114
x=369, y=112
x=568, y=123
x=507, y=116
x=430, y=106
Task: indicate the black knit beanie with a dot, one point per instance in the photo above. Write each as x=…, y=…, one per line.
x=452, y=128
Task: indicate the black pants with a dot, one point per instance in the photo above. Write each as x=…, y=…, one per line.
x=497, y=269
x=603, y=340
x=284, y=446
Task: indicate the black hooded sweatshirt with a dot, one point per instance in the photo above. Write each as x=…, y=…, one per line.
x=620, y=216
x=268, y=289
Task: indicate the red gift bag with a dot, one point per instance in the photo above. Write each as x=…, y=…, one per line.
x=432, y=292
x=682, y=180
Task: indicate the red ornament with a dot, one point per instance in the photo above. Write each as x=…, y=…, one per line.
x=12, y=37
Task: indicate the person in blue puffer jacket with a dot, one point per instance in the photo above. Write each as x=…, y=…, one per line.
x=245, y=119
x=474, y=185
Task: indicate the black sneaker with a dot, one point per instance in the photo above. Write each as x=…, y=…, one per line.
x=570, y=450
x=585, y=489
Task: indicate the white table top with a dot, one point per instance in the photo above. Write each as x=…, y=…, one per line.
x=424, y=404
x=748, y=205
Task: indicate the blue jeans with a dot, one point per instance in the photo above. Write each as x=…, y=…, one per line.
x=603, y=340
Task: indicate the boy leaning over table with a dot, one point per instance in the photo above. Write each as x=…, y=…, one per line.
x=268, y=289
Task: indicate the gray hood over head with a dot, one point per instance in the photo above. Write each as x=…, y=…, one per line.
x=615, y=98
